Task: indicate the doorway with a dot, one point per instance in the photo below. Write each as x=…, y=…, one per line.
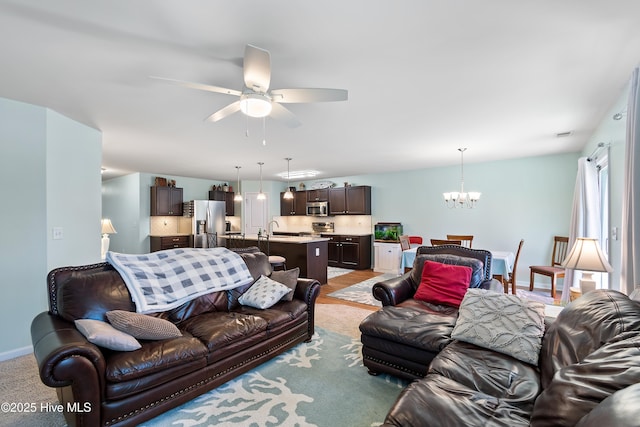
x=255, y=213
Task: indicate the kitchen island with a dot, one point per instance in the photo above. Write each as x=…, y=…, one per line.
x=309, y=253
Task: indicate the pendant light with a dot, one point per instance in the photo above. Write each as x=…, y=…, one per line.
x=288, y=194
x=238, y=196
x=261, y=195
x=455, y=199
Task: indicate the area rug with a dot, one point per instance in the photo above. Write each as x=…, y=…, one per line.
x=361, y=292
x=333, y=272
x=535, y=296
x=316, y=384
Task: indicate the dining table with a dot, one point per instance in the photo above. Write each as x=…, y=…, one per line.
x=501, y=262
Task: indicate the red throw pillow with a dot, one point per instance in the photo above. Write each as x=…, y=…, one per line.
x=443, y=283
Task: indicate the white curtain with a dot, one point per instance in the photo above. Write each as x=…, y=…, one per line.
x=585, y=215
x=630, y=230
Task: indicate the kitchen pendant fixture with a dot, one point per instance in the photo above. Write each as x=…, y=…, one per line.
x=288, y=194
x=455, y=199
x=238, y=196
x=261, y=195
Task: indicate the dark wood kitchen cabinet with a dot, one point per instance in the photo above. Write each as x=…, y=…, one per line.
x=349, y=251
x=166, y=201
x=319, y=195
x=350, y=200
x=295, y=206
x=160, y=243
x=226, y=197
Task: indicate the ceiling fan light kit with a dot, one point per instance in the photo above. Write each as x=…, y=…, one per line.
x=255, y=105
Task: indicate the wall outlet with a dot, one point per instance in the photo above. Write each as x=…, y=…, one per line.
x=57, y=233
x=317, y=251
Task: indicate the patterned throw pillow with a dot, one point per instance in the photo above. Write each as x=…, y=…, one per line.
x=142, y=326
x=103, y=334
x=263, y=293
x=288, y=278
x=503, y=323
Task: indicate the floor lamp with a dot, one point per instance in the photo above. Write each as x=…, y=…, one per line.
x=107, y=228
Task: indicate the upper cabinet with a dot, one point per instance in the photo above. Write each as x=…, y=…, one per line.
x=319, y=195
x=350, y=200
x=224, y=196
x=295, y=206
x=166, y=201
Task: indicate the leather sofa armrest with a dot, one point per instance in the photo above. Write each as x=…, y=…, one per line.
x=394, y=291
x=308, y=290
x=66, y=359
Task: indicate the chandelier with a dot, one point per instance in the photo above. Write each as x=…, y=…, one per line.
x=460, y=199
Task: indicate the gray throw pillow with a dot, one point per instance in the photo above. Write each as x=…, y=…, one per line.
x=264, y=293
x=288, y=278
x=503, y=323
x=142, y=326
x=103, y=334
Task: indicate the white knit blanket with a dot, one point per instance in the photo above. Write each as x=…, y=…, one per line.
x=163, y=280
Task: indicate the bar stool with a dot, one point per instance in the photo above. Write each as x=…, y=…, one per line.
x=277, y=262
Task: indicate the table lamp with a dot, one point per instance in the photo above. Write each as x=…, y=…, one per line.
x=587, y=256
x=107, y=228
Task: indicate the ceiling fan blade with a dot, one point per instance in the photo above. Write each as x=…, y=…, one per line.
x=257, y=68
x=200, y=86
x=286, y=96
x=224, y=112
x=283, y=115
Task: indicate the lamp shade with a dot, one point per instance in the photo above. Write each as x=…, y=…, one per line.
x=107, y=227
x=586, y=255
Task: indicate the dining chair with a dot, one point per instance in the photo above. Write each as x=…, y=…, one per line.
x=440, y=242
x=404, y=243
x=511, y=277
x=465, y=239
x=553, y=271
x=415, y=240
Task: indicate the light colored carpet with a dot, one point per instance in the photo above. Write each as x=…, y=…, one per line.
x=20, y=381
x=535, y=296
x=333, y=272
x=361, y=292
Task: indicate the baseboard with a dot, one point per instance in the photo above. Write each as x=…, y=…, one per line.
x=12, y=354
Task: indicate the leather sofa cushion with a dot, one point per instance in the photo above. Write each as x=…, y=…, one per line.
x=90, y=293
x=570, y=339
x=225, y=334
x=154, y=356
x=422, y=325
x=258, y=264
x=620, y=410
x=477, y=267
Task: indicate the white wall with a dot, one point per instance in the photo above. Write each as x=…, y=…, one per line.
x=49, y=165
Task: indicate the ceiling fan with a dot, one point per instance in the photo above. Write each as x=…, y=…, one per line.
x=256, y=100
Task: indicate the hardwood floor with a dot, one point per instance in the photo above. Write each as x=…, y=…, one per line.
x=344, y=281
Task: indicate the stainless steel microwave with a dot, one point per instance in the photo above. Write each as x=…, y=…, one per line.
x=317, y=208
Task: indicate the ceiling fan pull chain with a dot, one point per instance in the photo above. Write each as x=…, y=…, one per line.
x=246, y=132
x=264, y=131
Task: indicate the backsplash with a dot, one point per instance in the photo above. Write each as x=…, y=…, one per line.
x=343, y=224
x=169, y=225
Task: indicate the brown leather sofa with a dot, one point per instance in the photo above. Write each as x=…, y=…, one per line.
x=588, y=375
x=396, y=339
x=220, y=340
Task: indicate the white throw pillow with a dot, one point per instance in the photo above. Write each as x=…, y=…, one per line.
x=103, y=334
x=503, y=323
x=263, y=293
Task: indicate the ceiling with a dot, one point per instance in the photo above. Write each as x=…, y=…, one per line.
x=425, y=77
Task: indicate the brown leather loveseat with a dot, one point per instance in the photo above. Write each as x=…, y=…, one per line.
x=220, y=340
x=587, y=375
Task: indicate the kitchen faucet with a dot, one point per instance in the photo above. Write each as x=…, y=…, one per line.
x=271, y=228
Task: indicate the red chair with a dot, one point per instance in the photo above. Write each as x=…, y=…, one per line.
x=415, y=239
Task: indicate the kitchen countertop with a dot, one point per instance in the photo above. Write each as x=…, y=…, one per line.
x=288, y=239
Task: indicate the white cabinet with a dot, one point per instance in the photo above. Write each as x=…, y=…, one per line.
x=387, y=257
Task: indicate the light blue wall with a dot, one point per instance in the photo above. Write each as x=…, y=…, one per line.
x=44, y=157
x=121, y=203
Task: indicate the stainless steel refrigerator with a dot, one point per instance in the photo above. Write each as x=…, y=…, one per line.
x=207, y=221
